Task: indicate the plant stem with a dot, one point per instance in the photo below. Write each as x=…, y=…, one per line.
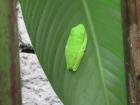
x=10, y=91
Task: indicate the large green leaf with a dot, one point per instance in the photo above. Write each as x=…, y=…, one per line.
x=100, y=78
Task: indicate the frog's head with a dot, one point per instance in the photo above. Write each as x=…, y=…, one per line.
x=78, y=31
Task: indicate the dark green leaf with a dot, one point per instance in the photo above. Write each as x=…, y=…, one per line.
x=100, y=78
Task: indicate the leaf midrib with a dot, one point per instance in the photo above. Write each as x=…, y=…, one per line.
x=96, y=49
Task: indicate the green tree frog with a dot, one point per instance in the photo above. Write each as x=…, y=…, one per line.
x=75, y=47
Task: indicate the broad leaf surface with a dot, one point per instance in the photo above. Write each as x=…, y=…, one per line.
x=100, y=78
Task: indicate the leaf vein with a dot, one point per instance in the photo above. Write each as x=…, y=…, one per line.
x=85, y=5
